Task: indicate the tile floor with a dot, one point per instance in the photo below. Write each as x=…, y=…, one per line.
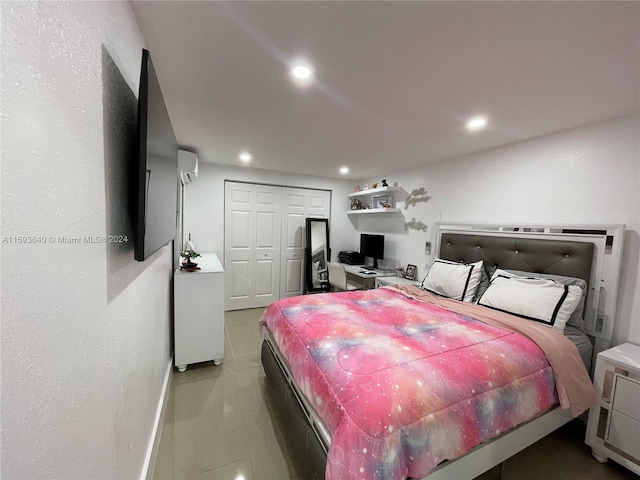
x=220, y=423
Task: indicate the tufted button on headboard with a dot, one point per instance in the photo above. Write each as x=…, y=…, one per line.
x=557, y=257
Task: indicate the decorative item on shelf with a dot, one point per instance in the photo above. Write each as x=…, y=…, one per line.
x=374, y=185
x=399, y=272
x=365, y=186
x=188, y=253
x=357, y=205
x=382, y=201
x=356, y=188
x=187, y=264
x=410, y=274
x=384, y=183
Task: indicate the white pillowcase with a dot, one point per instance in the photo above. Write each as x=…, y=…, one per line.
x=577, y=317
x=454, y=280
x=536, y=299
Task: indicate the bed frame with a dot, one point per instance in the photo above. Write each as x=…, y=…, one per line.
x=592, y=253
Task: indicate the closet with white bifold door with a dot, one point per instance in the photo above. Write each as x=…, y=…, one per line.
x=264, y=241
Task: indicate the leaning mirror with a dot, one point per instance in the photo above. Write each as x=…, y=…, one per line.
x=317, y=254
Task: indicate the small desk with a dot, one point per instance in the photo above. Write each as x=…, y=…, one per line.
x=364, y=275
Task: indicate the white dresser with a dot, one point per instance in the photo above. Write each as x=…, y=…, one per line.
x=199, y=313
x=613, y=430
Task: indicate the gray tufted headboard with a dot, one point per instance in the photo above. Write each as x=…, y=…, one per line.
x=558, y=257
x=591, y=252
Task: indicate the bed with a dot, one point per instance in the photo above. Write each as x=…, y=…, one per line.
x=351, y=371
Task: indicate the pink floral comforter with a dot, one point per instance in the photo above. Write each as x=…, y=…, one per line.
x=403, y=385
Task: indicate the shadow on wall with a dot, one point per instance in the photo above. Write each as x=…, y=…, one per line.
x=120, y=110
x=382, y=223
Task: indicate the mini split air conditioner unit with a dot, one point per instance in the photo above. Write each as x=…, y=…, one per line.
x=188, y=163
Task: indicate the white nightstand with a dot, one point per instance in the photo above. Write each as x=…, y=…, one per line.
x=382, y=281
x=613, y=430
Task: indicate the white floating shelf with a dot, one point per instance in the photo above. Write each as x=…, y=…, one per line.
x=374, y=191
x=372, y=210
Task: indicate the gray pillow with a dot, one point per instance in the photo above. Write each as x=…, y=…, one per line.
x=484, y=284
x=576, y=319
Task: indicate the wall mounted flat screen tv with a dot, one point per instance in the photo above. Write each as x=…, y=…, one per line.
x=372, y=246
x=156, y=181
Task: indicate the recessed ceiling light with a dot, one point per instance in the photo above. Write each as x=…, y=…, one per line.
x=344, y=170
x=301, y=72
x=476, y=123
x=245, y=157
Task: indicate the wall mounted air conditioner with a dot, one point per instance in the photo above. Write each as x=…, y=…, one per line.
x=188, y=163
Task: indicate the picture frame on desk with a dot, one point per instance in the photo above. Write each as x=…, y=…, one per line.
x=410, y=272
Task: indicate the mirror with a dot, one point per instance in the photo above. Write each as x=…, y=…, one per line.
x=317, y=254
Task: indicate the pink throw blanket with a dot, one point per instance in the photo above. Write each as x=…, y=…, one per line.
x=572, y=380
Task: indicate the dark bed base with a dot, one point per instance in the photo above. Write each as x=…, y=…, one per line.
x=309, y=452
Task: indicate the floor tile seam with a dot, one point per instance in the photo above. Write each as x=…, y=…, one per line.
x=241, y=409
x=199, y=469
x=226, y=465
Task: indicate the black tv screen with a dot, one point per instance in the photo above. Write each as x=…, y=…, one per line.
x=372, y=246
x=156, y=181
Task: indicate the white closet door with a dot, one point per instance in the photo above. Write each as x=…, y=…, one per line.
x=293, y=214
x=252, y=245
x=318, y=204
x=298, y=204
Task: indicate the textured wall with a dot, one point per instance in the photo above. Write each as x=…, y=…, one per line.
x=588, y=175
x=85, y=329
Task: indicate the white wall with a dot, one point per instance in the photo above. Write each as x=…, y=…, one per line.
x=589, y=175
x=85, y=328
x=204, y=204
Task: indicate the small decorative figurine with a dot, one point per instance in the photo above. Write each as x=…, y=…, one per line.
x=374, y=185
x=357, y=188
x=384, y=183
x=188, y=253
x=365, y=186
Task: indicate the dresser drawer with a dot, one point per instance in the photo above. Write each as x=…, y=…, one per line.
x=624, y=434
x=627, y=397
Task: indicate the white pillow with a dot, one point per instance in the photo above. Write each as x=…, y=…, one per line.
x=454, y=280
x=576, y=318
x=535, y=299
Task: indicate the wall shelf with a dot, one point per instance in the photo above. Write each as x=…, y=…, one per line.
x=367, y=196
x=372, y=210
x=374, y=191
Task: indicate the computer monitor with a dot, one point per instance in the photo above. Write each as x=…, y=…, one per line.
x=372, y=246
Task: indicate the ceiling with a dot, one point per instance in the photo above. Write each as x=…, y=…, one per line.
x=394, y=82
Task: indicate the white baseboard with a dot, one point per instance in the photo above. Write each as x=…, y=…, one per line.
x=156, y=433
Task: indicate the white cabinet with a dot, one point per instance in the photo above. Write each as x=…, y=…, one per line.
x=199, y=313
x=368, y=196
x=613, y=430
